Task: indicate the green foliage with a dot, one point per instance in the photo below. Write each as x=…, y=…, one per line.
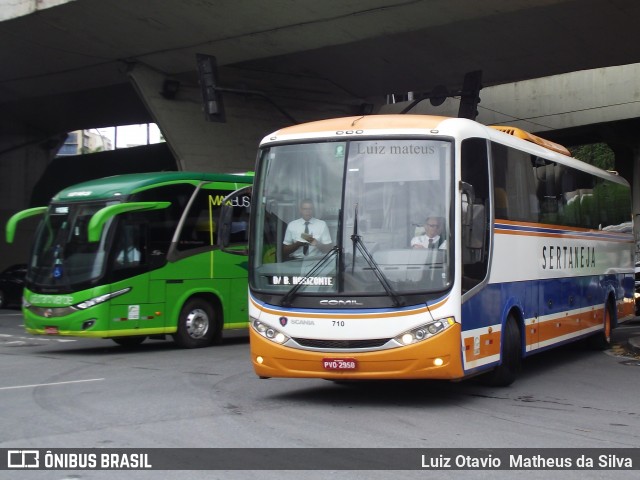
x=604, y=205
x=598, y=154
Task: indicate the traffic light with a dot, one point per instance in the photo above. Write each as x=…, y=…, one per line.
x=211, y=96
x=470, y=95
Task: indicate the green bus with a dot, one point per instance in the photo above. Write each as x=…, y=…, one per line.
x=139, y=256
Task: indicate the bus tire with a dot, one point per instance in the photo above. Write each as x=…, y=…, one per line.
x=506, y=373
x=197, y=325
x=2, y=304
x=602, y=339
x=129, y=341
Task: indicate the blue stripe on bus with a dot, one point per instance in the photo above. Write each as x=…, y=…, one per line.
x=594, y=234
x=534, y=298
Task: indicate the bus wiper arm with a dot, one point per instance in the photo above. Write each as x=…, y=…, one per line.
x=289, y=296
x=359, y=244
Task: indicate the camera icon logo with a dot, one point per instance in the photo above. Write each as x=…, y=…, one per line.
x=23, y=459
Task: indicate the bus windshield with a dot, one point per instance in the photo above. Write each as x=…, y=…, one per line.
x=62, y=255
x=375, y=202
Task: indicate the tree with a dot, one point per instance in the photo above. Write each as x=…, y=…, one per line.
x=597, y=154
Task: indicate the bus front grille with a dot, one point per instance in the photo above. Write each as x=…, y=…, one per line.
x=341, y=344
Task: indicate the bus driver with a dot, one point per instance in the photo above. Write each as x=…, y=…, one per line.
x=432, y=237
x=306, y=237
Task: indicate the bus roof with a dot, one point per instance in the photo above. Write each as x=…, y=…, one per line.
x=124, y=185
x=410, y=124
x=366, y=122
x=517, y=132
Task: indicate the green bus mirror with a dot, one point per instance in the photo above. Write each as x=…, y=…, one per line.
x=12, y=224
x=105, y=214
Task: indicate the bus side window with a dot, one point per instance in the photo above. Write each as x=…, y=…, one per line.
x=129, y=247
x=239, y=226
x=199, y=226
x=475, y=235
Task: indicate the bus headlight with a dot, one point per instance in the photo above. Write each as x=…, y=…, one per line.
x=268, y=332
x=424, y=331
x=101, y=299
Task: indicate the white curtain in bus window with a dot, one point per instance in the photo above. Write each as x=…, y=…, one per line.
x=514, y=175
x=396, y=184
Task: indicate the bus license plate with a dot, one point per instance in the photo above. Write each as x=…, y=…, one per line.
x=51, y=330
x=339, y=363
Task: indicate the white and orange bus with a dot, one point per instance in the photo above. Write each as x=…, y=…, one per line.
x=534, y=250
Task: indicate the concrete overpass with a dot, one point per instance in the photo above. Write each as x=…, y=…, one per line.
x=590, y=106
x=96, y=63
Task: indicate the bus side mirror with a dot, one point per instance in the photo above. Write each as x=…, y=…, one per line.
x=233, y=222
x=105, y=214
x=467, y=198
x=474, y=225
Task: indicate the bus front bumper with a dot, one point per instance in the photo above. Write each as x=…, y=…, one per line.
x=438, y=357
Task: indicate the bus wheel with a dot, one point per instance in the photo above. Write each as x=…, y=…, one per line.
x=2, y=305
x=505, y=373
x=602, y=339
x=129, y=341
x=196, y=325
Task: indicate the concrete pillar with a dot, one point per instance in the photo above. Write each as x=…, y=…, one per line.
x=24, y=155
x=205, y=146
x=635, y=187
x=628, y=166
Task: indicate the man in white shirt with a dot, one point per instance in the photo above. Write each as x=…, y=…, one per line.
x=432, y=238
x=306, y=237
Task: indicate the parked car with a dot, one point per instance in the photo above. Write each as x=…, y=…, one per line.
x=11, y=286
x=637, y=289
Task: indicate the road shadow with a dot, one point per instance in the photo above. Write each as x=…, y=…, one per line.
x=103, y=347
x=433, y=393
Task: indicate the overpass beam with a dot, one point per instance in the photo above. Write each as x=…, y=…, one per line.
x=231, y=146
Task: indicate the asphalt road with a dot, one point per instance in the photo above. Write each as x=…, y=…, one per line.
x=61, y=392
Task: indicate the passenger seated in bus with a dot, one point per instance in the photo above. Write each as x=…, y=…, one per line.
x=432, y=237
x=128, y=256
x=307, y=236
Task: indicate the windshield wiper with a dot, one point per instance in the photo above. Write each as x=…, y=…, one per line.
x=289, y=296
x=359, y=244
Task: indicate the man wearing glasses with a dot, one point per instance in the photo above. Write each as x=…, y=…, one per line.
x=432, y=238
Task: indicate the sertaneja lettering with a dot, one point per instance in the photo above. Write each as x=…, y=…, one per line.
x=555, y=257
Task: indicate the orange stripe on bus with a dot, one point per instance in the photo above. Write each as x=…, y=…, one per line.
x=489, y=345
x=626, y=308
x=556, y=227
x=569, y=324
